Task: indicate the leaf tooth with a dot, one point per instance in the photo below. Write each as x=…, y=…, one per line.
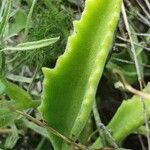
x=48, y=73
x=76, y=25
x=70, y=44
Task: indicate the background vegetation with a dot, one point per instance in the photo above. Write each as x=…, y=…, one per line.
x=50, y=19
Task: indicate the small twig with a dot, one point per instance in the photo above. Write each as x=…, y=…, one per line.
x=129, y=62
x=5, y=131
x=53, y=131
x=143, y=8
x=98, y=121
x=139, y=45
x=137, y=92
x=128, y=87
x=8, y=131
x=143, y=19
x=142, y=34
x=108, y=134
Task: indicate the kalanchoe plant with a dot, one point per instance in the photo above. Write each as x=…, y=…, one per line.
x=69, y=88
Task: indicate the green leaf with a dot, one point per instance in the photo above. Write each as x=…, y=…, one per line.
x=6, y=115
x=16, y=93
x=40, y=130
x=70, y=88
x=19, y=78
x=19, y=97
x=18, y=24
x=12, y=138
x=32, y=45
x=2, y=88
x=128, y=118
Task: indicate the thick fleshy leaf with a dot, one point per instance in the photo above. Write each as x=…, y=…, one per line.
x=70, y=88
x=128, y=118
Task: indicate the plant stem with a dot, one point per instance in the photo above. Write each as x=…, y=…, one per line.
x=140, y=78
x=98, y=122
x=53, y=131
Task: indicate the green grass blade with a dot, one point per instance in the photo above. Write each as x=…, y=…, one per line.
x=5, y=18
x=32, y=45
